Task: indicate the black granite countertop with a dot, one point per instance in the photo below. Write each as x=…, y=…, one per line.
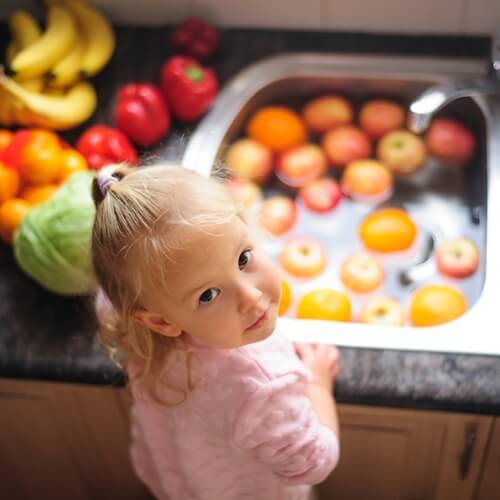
x=46, y=337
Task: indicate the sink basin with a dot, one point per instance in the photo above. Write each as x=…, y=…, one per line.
x=445, y=202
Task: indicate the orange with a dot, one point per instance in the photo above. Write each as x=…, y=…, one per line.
x=71, y=161
x=277, y=127
x=9, y=183
x=324, y=304
x=285, y=297
x=436, y=304
x=5, y=138
x=12, y=213
x=41, y=158
x=38, y=194
x=388, y=230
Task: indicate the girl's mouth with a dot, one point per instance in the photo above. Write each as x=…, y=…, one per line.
x=260, y=321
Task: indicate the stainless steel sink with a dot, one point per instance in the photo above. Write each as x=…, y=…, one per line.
x=445, y=202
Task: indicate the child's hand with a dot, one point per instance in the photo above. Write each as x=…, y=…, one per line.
x=323, y=361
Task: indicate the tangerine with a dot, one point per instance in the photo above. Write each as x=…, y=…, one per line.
x=285, y=298
x=5, y=139
x=9, y=183
x=277, y=127
x=35, y=195
x=71, y=161
x=324, y=304
x=12, y=213
x=436, y=304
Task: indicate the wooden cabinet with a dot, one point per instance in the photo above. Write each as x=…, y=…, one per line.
x=68, y=441
x=389, y=454
x=489, y=483
x=64, y=441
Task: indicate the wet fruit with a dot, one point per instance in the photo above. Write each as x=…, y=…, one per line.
x=436, y=304
x=303, y=257
x=457, y=258
x=285, y=298
x=402, y=151
x=327, y=112
x=250, y=160
x=383, y=311
x=324, y=304
x=388, y=230
x=361, y=272
x=380, y=116
x=277, y=214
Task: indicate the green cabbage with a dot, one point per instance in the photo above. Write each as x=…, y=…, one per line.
x=52, y=244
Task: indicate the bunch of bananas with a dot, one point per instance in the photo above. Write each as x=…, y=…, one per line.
x=48, y=86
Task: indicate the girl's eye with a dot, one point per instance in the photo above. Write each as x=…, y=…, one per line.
x=209, y=295
x=245, y=258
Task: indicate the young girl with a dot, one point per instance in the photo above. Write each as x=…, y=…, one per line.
x=223, y=408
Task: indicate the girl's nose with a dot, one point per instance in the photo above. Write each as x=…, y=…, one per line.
x=249, y=296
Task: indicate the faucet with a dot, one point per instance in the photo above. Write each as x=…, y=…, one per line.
x=436, y=97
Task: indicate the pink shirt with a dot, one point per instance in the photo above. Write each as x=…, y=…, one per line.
x=247, y=430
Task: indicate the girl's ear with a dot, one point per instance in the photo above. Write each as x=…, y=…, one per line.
x=156, y=323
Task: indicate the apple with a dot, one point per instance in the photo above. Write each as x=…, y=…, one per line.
x=278, y=214
x=383, y=311
x=378, y=117
x=327, y=112
x=361, y=272
x=402, y=151
x=449, y=141
x=250, y=160
x=303, y=257
x=457, y=258
x=245, y=191
x=300, y=165
x=367, y=180
x=321, y=195
x=345, y=144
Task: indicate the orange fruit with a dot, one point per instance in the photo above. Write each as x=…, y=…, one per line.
x=5, y=138
x=71, y=161
x=324, y=304
x=277, y=127
x=12, y=213
x=9, y=183
x=41, y=158
x=285, y=297
x=38, y=194
x=436, y=304
x=388, y=230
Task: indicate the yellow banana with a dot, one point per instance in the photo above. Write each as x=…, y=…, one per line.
x=98, y=35
x=24, y=28
x=56, y=112
x=57, y=40
x=67, y=70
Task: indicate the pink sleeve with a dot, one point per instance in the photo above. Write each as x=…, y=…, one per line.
x=277, y=423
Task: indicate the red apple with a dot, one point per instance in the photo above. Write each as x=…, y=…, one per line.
x=250, y=160
x=383, y=311
x=300, y=165
x=278, y=214
x=361, y=272
x=327, y=112
x=345, y=144
x=458, y=258
x=303, y=257
x=449, y=141
x=321, y=195
x=401, y=151
x=367, y=180
x=245, y=191
x=378, y=117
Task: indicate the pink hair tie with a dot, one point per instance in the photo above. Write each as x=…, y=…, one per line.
x=105, y=179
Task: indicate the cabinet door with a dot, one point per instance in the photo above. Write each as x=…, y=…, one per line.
x=406, y=455
x=489, y=485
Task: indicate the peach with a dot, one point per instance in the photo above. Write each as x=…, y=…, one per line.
x=402, y=151
x=380, y=116
x=367, y=180
x=383, y=311
x=327, y=112
x=250, y=160
x=278, y=214
x=300, y=165
x=345, y=144
x=449, y=141
x=303, y=257
x=457, y=258
x=361, y=272
x=321, y=195
x=245, y=191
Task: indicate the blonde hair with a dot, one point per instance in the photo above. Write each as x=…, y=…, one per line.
x=139, y=222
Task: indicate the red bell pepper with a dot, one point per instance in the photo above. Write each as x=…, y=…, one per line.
x=102, y=145
x=141, y=113
x=12, y=154
x=196, y=38
x=189, y=87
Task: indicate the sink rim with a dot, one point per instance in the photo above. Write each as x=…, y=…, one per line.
x=467, y=334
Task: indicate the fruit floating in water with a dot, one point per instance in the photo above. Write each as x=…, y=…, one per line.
x=402, y=151
x=383, y=311
x=321, y=195
x=361, y=272
x=458, y=258
x=278, y=214
x=303, y=257
x=250, y=160
x=326, y=112
x=285, y=298
x=380, y=116
x=324, y=304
